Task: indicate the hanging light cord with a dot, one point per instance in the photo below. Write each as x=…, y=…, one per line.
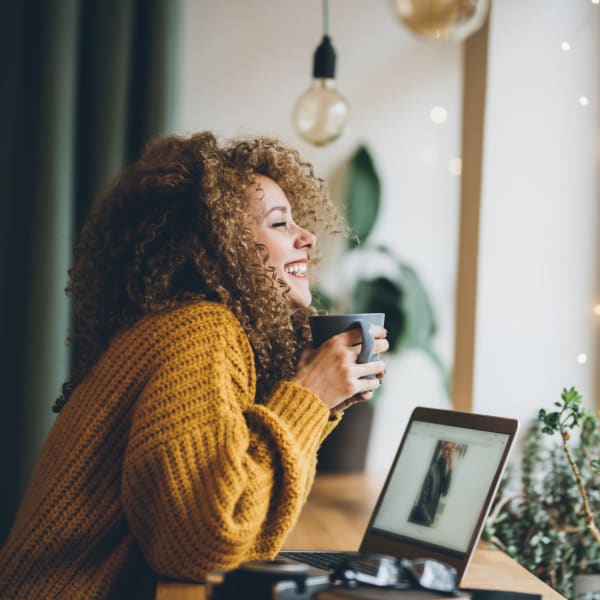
x=325, y=17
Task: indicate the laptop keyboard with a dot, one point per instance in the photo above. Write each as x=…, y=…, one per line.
x=373, y=571
x=330, y=560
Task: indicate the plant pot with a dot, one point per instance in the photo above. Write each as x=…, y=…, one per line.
x=345, y=450
x=588, y=584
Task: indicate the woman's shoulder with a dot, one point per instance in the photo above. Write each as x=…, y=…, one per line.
x=203, y=312
x=194, y=320
x=197, y=317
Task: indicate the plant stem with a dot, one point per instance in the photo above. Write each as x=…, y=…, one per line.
x=591, y=525
x=502, y=503
x=497, y=542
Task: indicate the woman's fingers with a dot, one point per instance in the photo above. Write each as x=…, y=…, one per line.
x=361, y=370
x=379, y=332
x=368, y=384
x=353, y=337
x=380, y=346
x=361, y=386
x=362, y=397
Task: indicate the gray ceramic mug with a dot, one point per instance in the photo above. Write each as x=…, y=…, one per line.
x=325, y=326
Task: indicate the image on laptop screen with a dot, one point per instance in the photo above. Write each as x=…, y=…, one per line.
x=439, y=484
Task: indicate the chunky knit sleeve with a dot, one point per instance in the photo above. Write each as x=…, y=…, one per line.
x=210, y=478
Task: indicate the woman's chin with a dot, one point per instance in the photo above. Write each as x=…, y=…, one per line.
x=302, y=300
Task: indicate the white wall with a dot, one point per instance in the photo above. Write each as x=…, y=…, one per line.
x=539, y=243
x=243, y=66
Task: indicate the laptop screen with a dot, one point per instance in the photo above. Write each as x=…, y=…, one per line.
x=439, y=483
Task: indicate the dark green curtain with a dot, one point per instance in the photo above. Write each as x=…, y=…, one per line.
x=84, y=84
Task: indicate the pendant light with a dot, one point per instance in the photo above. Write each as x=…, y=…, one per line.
x=442, y=20
x=321, y=113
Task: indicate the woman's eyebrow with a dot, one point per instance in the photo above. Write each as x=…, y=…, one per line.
x=283, y=209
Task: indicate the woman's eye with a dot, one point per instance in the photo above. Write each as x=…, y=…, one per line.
x=279, y=224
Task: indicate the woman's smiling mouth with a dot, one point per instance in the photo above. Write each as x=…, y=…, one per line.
x=298, y=269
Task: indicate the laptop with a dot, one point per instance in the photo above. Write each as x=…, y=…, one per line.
x=438, y=491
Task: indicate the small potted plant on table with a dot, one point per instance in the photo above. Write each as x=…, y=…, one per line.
x=549, y=525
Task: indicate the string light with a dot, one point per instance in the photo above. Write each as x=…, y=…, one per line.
x=438, y=114
x=582, y=358
x=597, y=310
x=565, y=46
x=583, y=100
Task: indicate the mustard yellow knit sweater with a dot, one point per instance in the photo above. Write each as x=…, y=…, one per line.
x=161, y=462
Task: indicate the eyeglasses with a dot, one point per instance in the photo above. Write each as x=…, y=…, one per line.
x=421, y=573
x=431, y=575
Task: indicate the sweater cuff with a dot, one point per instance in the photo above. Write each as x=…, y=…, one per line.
x=331, y=424
x=302, y=410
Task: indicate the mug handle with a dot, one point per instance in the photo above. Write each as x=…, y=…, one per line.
x=368, y=340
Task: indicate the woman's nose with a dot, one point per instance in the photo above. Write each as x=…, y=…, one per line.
x=305, y=238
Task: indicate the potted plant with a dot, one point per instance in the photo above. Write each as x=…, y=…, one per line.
x=549, y=525
x=372, y=278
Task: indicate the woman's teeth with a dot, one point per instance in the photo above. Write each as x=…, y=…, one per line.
x=296, y=269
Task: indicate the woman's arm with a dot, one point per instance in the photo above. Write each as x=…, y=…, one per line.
x=211, y=478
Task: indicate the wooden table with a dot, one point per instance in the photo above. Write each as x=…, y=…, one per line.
x=335, y=518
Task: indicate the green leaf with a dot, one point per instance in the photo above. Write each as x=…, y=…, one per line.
x=570, y=396
x=420, y=322
x=420, y=319
x=363, y=189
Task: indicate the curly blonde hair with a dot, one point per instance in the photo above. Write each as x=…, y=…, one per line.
x=173, y=229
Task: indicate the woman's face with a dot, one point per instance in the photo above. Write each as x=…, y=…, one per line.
x=288, y=244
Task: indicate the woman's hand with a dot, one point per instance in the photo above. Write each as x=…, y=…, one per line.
x=331, y=370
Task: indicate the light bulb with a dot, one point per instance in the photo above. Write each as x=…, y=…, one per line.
x=321, y=113
x=444, y=20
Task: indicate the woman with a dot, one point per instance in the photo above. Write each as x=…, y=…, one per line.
x=188, y=434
